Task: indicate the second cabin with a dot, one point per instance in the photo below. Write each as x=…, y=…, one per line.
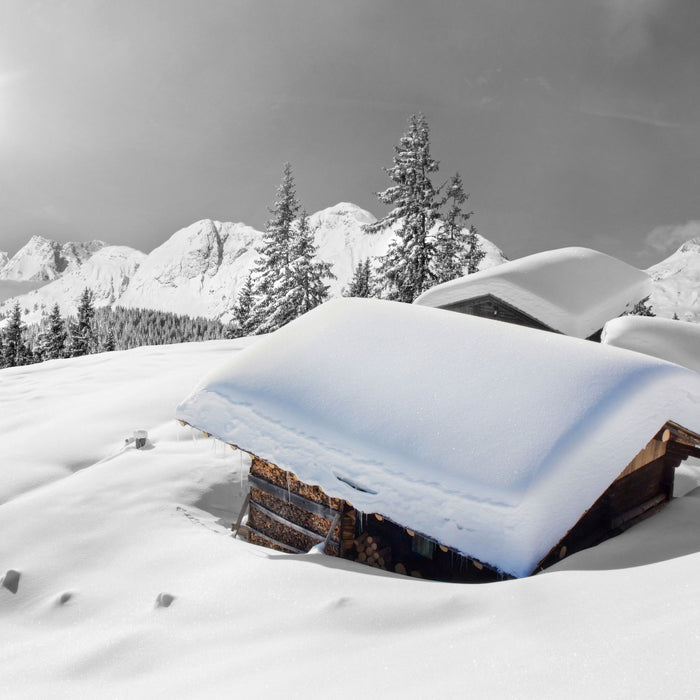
x=445, y=446
x=573, y=291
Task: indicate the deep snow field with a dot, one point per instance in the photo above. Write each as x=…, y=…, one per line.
x=99, y=531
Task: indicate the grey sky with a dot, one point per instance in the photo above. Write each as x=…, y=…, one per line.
x=570, y=122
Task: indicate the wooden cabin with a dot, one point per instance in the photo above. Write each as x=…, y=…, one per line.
x=484, y=451
x=573, y=291
x=290, y=516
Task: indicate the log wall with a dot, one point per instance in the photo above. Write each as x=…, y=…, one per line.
x=278, y=518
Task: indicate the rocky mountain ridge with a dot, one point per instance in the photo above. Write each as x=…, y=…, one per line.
x=200, y=268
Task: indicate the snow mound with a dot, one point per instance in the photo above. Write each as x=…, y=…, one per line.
x=406, y=400
x=676, y=283
x=571, y=290
x=675, y=341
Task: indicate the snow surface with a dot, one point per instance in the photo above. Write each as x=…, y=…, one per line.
x=676, y=283
x=97, y=548
x=675, y=341
x=572, y=290
x=405, y=402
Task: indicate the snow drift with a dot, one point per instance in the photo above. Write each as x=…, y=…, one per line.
x=675, y=341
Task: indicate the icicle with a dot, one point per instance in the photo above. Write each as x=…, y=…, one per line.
x=289, y=495
x=192, y=431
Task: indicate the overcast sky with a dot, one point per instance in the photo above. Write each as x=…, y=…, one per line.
x=570, y=122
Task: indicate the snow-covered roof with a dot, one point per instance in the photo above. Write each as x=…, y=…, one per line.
x=489, y=437
x=571, y=290
x=675, y=341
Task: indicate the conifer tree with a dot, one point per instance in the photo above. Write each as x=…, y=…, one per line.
x=241, y=325
x=406, y=270
x=52, y=340
x=272, y=272
x=83, y=334
x=2, y=349
x=15, y=351
x=362, y=283
x=308, y=274
x=457, y=247
x=109, y=344
x=641, y=308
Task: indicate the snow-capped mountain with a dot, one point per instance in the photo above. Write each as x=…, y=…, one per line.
x=107, y=273
x=676, y=283
x=42, y=259
x=199, y=270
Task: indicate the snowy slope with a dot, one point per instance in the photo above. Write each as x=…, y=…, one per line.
x=676, y=283
x=107, y=273
x=411, y=427
x=675, y=341
x=97, y=547
x=42, y=259
x=571, y=290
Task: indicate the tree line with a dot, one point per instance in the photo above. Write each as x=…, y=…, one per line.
x=93, y=330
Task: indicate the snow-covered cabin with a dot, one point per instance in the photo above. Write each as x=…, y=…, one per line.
x=675, y=341
x=573, y=291
x=463, y=449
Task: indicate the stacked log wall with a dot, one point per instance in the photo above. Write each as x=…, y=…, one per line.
x=276, y=522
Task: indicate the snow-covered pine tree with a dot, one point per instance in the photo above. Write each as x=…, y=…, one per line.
x=641, y=308
x=52, y=340
x=362, y=283
x=109, y=343
x=15, y=351
x=241, y=325
x=272, y=272
x=406, y=270
x=457, y=247
x=308, y=274
x=83, y=334
x=2, y=349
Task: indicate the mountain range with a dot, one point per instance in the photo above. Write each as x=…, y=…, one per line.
x=199, y=270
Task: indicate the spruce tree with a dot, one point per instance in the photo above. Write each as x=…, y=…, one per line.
x=272, y=271
x=83, y=334
x=362, y=283
x=15, y=351
x=641, y=308
x=241, y=325
x=109, y=344
x=457, y=247
x=52, y=340
x=308, y=274
x=406, y=270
